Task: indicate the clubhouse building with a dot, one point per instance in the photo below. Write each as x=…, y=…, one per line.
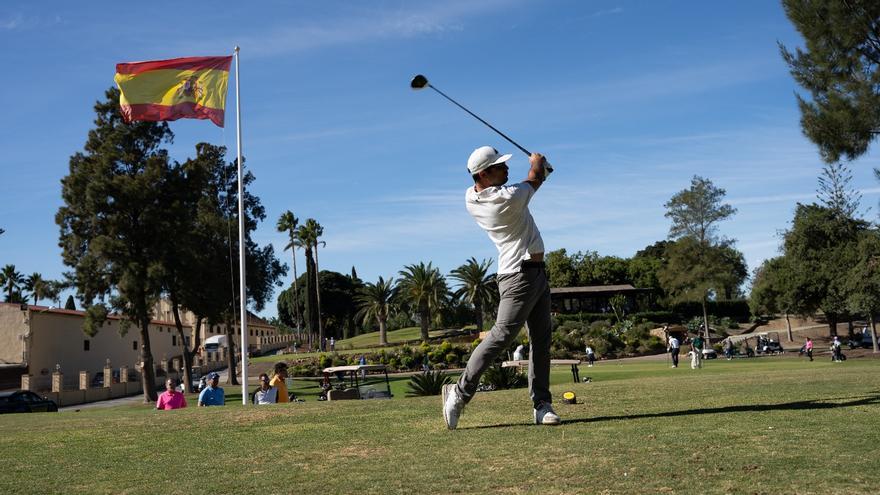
x=37, y=342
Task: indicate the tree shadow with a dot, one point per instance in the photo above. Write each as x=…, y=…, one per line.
x=815, y=404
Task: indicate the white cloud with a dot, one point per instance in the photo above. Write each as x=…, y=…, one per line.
x=12, y=23
x=375, y=25
x=603, y=13
x=20, y=22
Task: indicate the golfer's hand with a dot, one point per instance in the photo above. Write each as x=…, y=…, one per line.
x=540, y=165
x=537, y=160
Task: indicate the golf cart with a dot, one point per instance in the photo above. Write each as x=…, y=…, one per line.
x=357, y=382
x=862, y=339
x=768, y=343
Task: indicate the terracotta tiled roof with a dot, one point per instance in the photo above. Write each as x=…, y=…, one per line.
x=252, y=318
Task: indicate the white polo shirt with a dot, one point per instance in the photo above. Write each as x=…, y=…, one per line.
x=503, y=212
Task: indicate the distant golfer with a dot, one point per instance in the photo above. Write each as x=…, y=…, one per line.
x=674, y=347
x=503, y=212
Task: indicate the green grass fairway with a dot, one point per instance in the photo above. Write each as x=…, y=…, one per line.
x=767, y=425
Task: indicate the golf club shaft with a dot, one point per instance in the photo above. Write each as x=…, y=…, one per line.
x=490, y=126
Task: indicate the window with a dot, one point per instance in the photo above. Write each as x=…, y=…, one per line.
x=86, y=344
x=173, y=340
x=134, y=345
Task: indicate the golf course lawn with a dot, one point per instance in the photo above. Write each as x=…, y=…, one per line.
x=765, y=425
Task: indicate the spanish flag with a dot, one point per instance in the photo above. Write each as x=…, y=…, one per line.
x=181, y=88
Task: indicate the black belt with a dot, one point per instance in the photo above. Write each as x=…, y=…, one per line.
x=532, y=264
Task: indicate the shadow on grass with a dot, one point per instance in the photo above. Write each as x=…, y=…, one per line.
x=816, y=404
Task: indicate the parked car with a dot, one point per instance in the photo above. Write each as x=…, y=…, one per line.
x=709, y=353
x=196, y=376
x=20, y=401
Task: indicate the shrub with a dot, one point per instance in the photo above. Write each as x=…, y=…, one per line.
x=452, y=359
x=407, y=362
x=430, y=383
x=737, y=309
x=504, y=378
x=324, y=361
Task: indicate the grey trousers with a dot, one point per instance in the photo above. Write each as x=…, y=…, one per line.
x=525, y=299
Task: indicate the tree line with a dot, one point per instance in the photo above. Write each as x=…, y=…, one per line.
x=136, y=227
x=421, y=294
x=830, y=258
x=695, y=264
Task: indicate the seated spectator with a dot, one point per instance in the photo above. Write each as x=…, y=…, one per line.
x=212, y=395
x=266, y=394
x=170, y=398
x=278, y=381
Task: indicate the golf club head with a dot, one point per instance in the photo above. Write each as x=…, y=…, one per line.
x=418, y=82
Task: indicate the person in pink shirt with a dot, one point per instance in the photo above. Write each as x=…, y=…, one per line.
x=808, y=348
x=170, y=398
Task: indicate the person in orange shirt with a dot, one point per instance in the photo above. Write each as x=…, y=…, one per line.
x=278, y=381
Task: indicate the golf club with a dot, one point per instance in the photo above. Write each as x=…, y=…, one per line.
x=420, y=82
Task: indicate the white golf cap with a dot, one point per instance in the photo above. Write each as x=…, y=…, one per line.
x=484, y=157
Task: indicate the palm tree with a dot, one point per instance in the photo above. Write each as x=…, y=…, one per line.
x=308, y=235
x=10, y=281
x=288, y=223
x=38, y=287
x=477, y=286
x=374, y=301
x=425, y=288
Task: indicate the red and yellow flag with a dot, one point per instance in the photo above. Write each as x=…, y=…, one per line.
x=180, y=88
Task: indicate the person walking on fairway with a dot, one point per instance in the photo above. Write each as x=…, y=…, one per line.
x=674, y=348
x=503, y=212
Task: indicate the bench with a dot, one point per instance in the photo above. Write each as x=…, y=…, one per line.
x=524, y=363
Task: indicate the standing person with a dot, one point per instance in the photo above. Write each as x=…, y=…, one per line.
x=674, y=347
x=170, y=398
x=808, y=348
x=836, y=354
x=697, y=344
x=728, y=349
x=591, y=356
x=332, y=344
x=212, y=395
x=279, y=381
x=502, y=211
x=363, y=362
x=266, y=394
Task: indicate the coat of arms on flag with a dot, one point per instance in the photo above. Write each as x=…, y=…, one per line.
x=180, y=88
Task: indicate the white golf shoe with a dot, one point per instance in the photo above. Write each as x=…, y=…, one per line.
x=453, y=404
x=545, y=415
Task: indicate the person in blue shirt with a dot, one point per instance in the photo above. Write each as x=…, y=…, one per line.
x=212, y=395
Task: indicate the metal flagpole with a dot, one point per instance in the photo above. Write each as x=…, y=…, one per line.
x=241, y=245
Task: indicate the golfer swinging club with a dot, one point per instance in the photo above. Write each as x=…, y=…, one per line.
x=503, y=212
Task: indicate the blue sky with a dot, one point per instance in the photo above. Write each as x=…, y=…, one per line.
x=628, y=99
